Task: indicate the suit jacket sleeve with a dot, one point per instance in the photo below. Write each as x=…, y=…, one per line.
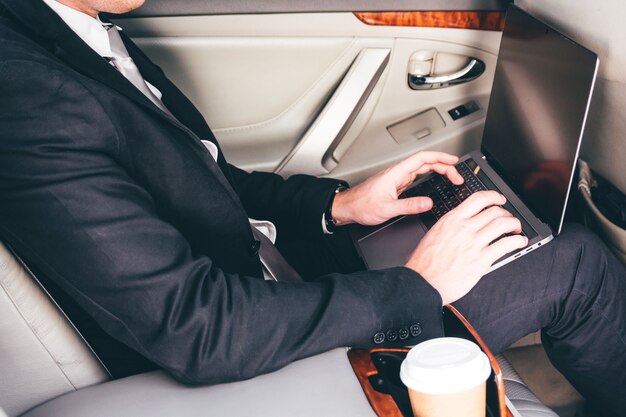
x=68, y=206
x=295, y=204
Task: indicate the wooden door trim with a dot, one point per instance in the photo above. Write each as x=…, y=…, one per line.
x=493, y=21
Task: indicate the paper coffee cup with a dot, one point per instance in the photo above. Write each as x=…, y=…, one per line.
x=446, y=378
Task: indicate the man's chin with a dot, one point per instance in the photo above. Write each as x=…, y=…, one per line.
x=120, y=6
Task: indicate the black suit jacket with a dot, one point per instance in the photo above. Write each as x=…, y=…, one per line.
x=121, y=206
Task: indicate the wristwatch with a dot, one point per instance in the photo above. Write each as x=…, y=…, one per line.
x=329, y=225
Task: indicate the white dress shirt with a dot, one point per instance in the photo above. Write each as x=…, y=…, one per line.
x=94, y=34
x=91, y=31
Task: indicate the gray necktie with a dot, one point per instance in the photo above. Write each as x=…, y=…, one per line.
x=126, y=66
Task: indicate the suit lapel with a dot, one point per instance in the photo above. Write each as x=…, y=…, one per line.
x=70, y=48
x=179, y=105
x=66, y=45
x=73, y=51
x=83, y=59
x=173, y=98
x=189, y=118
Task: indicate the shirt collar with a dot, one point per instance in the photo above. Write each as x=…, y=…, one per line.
x=90, y=30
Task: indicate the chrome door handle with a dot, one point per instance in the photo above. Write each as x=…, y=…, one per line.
x=471, y=71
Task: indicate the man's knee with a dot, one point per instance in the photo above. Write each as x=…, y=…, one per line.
x=577, y=235
x=586, y=248
x=583, y=256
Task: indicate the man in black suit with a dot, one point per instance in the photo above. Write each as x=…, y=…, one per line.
x=113, y=187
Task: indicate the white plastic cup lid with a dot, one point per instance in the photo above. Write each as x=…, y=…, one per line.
x=444, y=366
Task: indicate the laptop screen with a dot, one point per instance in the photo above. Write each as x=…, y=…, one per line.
x=541, y=92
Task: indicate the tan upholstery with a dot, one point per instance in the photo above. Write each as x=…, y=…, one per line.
x=41, y=354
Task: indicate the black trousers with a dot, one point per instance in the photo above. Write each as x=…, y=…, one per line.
x=573, y=290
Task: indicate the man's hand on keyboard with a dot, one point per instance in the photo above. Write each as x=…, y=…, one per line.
x=459, y=249
x=375, y=200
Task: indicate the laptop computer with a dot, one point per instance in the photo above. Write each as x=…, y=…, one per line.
x=535, y=120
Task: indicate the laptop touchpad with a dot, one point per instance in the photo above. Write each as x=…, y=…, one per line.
x=391, y=245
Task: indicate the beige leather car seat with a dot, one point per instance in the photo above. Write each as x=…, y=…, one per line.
x=42, y=355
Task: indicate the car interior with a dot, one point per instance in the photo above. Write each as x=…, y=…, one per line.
x=340, y=89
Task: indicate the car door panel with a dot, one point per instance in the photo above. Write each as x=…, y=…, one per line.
x=374, y=148
x=261, y=81
x=258, y=95
x=313, y=153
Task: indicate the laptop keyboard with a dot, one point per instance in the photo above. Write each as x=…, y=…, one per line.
x=447, y=196
x=444, y=194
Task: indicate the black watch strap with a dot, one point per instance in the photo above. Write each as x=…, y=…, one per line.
x=329, y=222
